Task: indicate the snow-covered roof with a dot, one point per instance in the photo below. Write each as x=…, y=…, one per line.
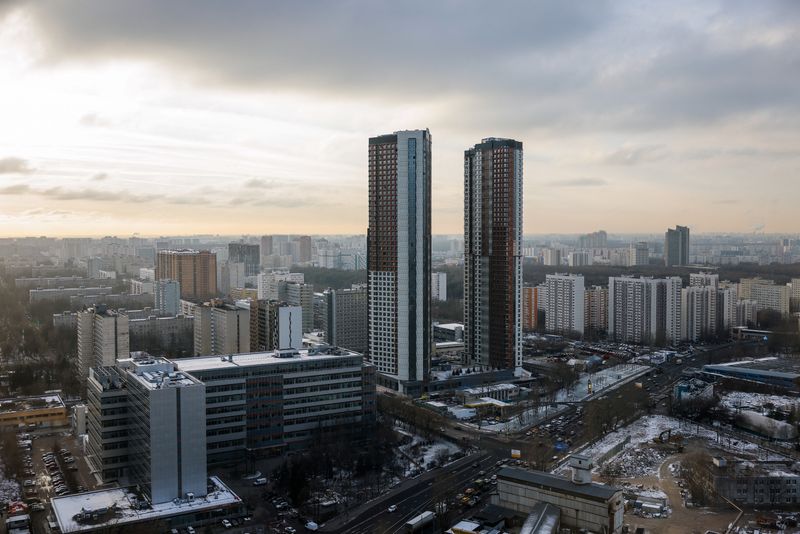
x=118, y=507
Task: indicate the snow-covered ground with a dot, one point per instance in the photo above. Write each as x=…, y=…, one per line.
x=735, y=400
x=646, y=428
x=424, y=452
x=601, y=381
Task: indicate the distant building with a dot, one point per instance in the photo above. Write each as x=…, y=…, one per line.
x=639, y=254
x=195, y=271
x=596, y=309
x=699, y=313
x=271, y=283
x=169, y=331
x=346, y=318
x=65, y=293
x=676, y=246
x=221, y=328
x=530, y=307
x=246, y=254
x=594, y=240
x=274, y=325
x=265, y=249
x=341, y=401
x=300, y=294
x=644, y=310
x=564, y=313
x=704, y=280
x=167, y=296
x=794, y=301
x=103, y=338
x=448, y=332
x=552, y=257
x=439, y=286
x=579, y=258
x=140, y=287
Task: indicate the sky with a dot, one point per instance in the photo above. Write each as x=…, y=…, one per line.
x=204, y=117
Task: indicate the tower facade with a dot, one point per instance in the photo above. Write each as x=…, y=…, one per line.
x=399, y=257
x=493, y=253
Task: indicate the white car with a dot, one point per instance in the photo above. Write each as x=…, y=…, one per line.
x=226, y=523
x=393, y=508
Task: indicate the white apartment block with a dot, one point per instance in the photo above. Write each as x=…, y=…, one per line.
x=699, y=313
x=703, y=279
x=167, y=295
x=140, y=287
x=564, y=312
x=552, y=257
x=221, y=329
x=579, y=259
x=644, y=310
x=638, y=254
x=269, y=283
x=439, y=286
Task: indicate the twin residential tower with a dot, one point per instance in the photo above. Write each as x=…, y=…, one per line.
x=399, y=256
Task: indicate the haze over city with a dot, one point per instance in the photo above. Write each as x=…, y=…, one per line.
x=202, y=117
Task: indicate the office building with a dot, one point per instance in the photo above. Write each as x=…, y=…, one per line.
x=699, y=313
x=65, y=293
x=595, y=310
x=399, y=258
x=316, y=394
x=146, y=424
x=493, y=253
x=246, y=254
x=579, y=258
x=221, y=328
x=195, y=271
x=564, y=313
x=530, y=307
x=167, y=296
x=103, y=338
x=274, y=325
x=302, y=295
x=638, y=254
x=644, y=310
x=439, y=286
x=676, y=246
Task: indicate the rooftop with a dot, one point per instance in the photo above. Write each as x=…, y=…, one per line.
x=23, y=404
x=232, y=361
x=157, y=373
x=120, y=506
x=593, y=491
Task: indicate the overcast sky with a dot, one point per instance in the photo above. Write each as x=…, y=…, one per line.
x=201, y=116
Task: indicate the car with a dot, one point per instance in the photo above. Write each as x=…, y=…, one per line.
x=38, y=507
x=290, y=530
x=190, y=530
x=226, y=523
x=393, y=508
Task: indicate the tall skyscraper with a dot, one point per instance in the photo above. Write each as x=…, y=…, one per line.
x=195, y=271
x=493, y=253
x=399, y=257
x=676, y=246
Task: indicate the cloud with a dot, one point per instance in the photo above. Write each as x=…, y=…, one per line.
x=635, y=155
x=258, y=183
x=579, y=182
x=13, y=165
x=99, y=177
x=94, y=120
x=15, y=189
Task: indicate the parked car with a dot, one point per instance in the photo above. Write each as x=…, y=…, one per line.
x=393, y=508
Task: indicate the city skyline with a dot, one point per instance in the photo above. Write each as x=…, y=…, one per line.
x=112, y=128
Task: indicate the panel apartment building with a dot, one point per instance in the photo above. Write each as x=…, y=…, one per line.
x=195, y=271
